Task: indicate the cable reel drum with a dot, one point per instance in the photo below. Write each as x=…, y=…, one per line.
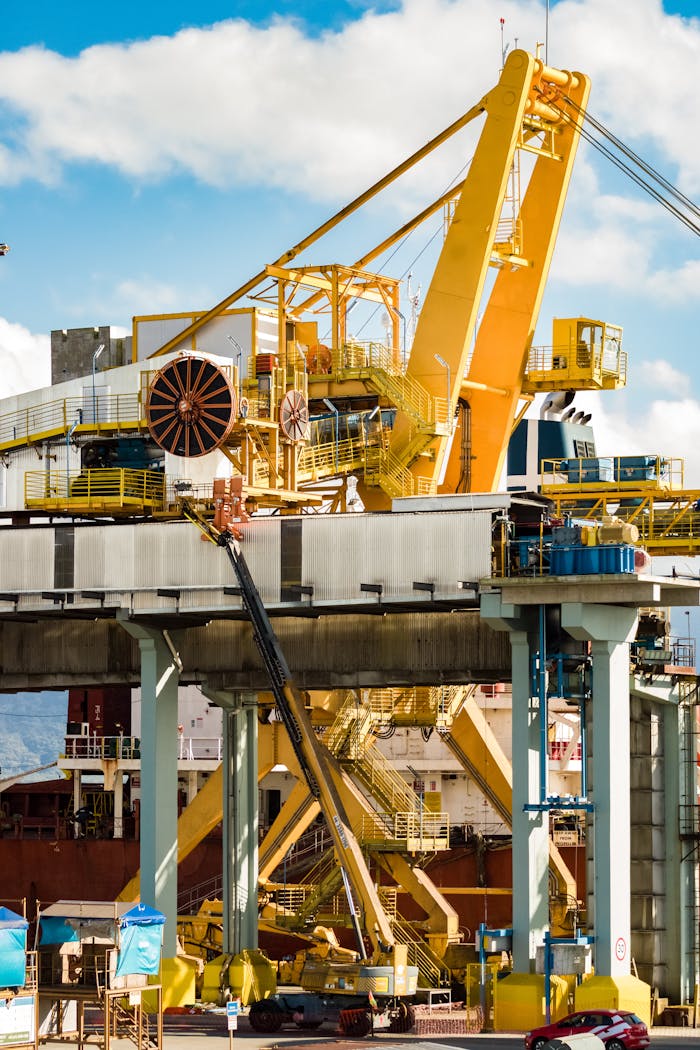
x=294, y=416
x=191, y=406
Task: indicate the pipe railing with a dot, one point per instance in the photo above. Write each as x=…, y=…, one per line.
x=125, y=748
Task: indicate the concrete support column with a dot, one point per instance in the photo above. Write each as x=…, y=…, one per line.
x=609, y=629
x=159, y=721
x=610, y=776
x=118, y=832
x=530, y=828
x=675, y=913
x=685, y=754
x=240, y=818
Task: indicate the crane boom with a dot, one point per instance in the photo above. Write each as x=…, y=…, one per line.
x=314, y=760
x=478, y=353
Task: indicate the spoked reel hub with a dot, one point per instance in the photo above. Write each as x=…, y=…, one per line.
x=191, y=407
x=294, y=416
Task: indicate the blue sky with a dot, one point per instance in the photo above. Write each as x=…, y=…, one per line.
x=153, y=156
x=88, y=24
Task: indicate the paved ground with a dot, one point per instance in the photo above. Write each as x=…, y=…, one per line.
x=209, y=1032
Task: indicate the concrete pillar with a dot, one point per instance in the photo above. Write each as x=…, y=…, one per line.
x=530, y=828
x=609, y=630
x=159, y=721
x=686, y=855
x=240, y=818
x=677, y=947
x=118, y=804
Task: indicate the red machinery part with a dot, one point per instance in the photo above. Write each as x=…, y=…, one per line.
x=191, y=406
x=319, y=360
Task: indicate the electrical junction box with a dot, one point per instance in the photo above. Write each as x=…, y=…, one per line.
x=566, y=959
x=494, y=941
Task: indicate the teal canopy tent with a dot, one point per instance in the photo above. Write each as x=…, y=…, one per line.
x=13, y=949
x=140, y=941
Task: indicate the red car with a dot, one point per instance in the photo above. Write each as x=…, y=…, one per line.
x=619, y=1029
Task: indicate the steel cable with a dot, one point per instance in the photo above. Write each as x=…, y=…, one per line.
x=663, y=195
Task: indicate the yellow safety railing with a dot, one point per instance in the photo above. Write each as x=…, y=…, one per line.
x=378, y=363
x=422, y=830
x=615, y=472
x=569, y=367
x=110, y=488
x=404, y=822
x=668, y=521
x=105, y=412
x=419, y=705
x=295, y=900
x=431, y=969
x=348, y=735
x=384, y=783
x=334, y=457
x=389, y=472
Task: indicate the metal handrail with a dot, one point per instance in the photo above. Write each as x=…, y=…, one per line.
x=633, y=473
x=378, y=362
x=123, y=747
x=566, y=360
x=35, y=421
x=114, y=486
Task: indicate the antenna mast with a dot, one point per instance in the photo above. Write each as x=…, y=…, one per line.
x=504, y=46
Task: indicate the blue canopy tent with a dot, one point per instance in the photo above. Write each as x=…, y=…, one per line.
x=80, y=938
x=13, y=949
x=140, y=941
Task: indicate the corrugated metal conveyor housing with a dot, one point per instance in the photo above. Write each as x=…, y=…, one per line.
x=333, y=652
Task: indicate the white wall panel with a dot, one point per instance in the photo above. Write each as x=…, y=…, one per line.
x=342, y=551
x=339, y=552
x=26, y=559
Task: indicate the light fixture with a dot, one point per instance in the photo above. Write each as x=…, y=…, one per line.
x=97, y=353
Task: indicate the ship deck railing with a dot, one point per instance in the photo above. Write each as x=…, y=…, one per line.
x=122, y=747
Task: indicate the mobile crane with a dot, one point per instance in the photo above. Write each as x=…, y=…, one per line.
x=373, y=991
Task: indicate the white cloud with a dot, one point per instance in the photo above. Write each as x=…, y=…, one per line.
x=134, y=296
x=25, y=359
x=676, y=285
x=662, y=375
x=666, y=427
x=235, y=103
x=610, y=241
x=640, y=61
x=605, y=255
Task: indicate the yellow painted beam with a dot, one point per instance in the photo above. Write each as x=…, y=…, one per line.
x=449, y=315
x=324, y=228
x=196, y=821
x=472, y=742
x=508, y=324
x=296, y=815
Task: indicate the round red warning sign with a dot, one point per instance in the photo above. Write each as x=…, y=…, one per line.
x=620, y=948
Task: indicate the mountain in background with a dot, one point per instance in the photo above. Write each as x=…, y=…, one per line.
x=32, y=731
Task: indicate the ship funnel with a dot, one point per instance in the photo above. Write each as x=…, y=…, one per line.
x=555, y=403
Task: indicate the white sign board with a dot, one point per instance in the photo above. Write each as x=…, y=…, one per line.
x=17, y=1020
x=233, y=1008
